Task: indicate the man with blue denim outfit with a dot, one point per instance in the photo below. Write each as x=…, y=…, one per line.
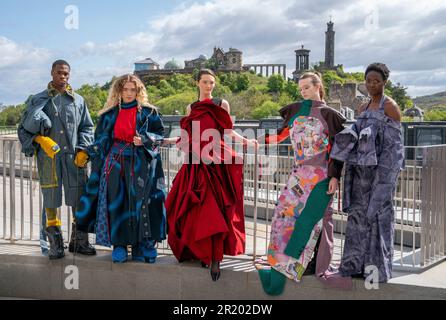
x=57, y=128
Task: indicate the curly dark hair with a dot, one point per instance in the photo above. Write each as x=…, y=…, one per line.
x=378, y=67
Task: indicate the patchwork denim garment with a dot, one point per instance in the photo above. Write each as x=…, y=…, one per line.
x=373, y=152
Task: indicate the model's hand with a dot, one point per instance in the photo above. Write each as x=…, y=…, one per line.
x=168, y=141
x=332, y=186
x=48, y=145
x=137, y=141
x=81, y=159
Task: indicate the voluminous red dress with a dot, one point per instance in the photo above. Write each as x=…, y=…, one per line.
x=204, y=207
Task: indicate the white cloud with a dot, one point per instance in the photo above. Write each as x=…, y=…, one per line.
x=13, y=54
x=96, y=75
x=408, y=35
x=23, y=69
x=136, y=44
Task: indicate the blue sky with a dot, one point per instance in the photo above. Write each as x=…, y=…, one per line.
x=113, y=34
x=42, y=22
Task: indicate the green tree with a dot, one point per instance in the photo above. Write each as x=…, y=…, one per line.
x=285, y=99
x=437, y=114
x=243, y=103
x=195, y=74
x=108, y=84
x=211, y=64
x=292, y=89
x=11, y=115
x=165, y=89
x=222, y=78
x=267, y=109
x=330, y=77
x=180, y=82
x=94, y=96
x=399, y=94
x=276, y=83
x=176, y=104
x=241, y=82
x=153, y=93
x=219, y=90
x=229, y=80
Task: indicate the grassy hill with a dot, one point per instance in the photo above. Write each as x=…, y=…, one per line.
x=251, y=96
x=430, y=101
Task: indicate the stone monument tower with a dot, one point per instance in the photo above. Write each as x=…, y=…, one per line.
x=329, y=45
x=302, y=62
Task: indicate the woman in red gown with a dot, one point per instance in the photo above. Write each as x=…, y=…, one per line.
x=204, y=207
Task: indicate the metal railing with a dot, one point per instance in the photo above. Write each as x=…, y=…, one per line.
x=5, y=130
x=419, y=200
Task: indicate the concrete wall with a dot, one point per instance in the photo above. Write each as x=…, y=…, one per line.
x=37, y=277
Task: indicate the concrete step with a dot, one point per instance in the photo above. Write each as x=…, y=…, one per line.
x=26, y=273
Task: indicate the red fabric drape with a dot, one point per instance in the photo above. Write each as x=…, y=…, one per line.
x=204, y=207
x=278, y=138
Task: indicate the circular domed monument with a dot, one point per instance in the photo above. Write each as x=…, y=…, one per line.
x=172, y=65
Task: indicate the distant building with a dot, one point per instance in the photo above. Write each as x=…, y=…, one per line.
x=228, y=61
x=221, y=61
x=146, y=65
x=303, y=55
x=172, y=65
x=349, y=95
x=302, y=62
x=198, y=63
x=329, y=46
x=416, y=113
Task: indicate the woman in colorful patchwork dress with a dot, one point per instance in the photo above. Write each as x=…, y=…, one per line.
x=373, y=152
x=205, y=204
x=302, y=226
x=124, y=197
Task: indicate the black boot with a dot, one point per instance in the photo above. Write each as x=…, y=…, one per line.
x=311, y=267
x=54, y=235
x=79, y=242
x=215, y=270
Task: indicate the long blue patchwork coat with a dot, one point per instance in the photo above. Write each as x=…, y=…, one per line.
x=149, y=183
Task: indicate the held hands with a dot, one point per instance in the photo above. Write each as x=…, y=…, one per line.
x=332, y=186
x=48, y=145
x=168, y=141
x=137, y=141
x=81, y=159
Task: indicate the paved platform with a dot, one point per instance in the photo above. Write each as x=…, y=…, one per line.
x=25, y=273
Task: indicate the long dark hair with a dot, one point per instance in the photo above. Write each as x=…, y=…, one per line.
x=205, y=71
x=201, y=73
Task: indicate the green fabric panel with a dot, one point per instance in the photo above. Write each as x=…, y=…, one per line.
x=273, y=282
x=314, y=211
x=304, y=111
